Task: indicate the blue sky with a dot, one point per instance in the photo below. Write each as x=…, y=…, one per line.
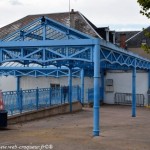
x=117, y=14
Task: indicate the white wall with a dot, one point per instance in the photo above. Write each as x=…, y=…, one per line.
x=44, y=82
x=7, y=83
x=123, y=84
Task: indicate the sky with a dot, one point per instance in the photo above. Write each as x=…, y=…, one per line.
x=119, y=15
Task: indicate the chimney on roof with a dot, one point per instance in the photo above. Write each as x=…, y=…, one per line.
x=72, y=18
x=43, y=19
x=107, y=34
x=72, y=10
x=123, y=40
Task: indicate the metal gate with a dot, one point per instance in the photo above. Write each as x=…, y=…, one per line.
x=126, y=99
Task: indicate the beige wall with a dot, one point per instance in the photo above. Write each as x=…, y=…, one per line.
x=50, y=111
x=140, y=52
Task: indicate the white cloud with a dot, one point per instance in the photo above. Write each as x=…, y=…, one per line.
x=15, y=2
x=99, y=12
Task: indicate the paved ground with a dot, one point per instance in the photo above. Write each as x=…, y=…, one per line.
x=119, y=131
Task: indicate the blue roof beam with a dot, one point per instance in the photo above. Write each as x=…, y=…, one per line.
x=115, y=55
x=46, y=43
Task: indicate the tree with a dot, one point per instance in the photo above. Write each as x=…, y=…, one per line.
x=145, y=10
x=145, y=7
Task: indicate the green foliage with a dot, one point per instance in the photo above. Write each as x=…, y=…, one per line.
x=145, y=10
x=146, y=48
x=145, y=7
x=146, y=33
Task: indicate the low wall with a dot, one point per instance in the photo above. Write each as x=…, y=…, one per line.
x=51, y=111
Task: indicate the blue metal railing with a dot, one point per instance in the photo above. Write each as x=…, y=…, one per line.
x=126, y=99
x=34, y=99
x=90, y=95
x=120, y=98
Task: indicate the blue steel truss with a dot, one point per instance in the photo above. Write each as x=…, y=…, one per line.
x=39, y=72
x=44, y=43
x=114, y=57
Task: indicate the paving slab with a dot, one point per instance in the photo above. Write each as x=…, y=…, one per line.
x=119, y=131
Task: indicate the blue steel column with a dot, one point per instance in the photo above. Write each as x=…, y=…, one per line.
x=134, y=91
x=148, y=79
x=148, y=87
x=19, y=103
x=102, y=85
x=96, y=107
x=82, y=86
x=70, y=88
x=18, y=83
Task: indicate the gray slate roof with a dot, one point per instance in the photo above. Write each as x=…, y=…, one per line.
x=80, y=23
x=128, y=34
x=136, y=41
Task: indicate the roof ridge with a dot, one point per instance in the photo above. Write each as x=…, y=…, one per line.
x=13, y=22
x=51, y=13
x=89, y=25
x=127, y=31
x=62, y=18
x=36, y=15
x=137, y=34
x=133, y=36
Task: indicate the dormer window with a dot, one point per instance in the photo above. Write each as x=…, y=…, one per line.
x=144, y=42
x=107, y=34
x=114, y=37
